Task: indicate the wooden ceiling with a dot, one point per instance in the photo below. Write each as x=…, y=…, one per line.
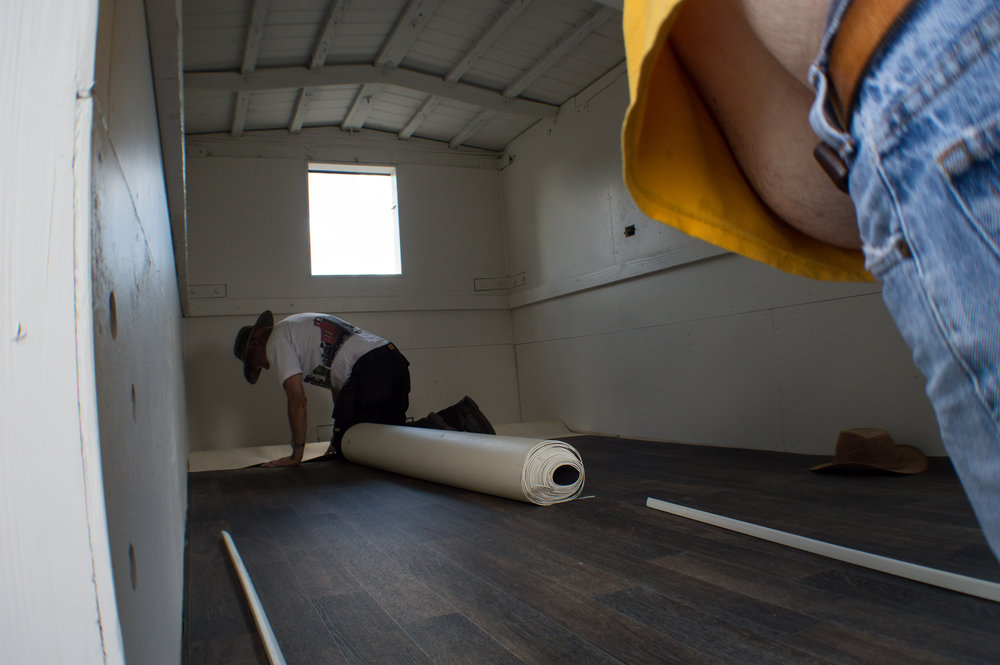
x=472, y=73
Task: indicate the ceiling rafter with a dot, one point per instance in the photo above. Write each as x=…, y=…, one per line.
x=299, y=110
x=408, y=26
x=362, y=107
x=470, y=128
x=251, y=50
x=486, y=39
x=285, y=78
x=560, y=49
x=460, y=111
x=418, y=118
x=334, y=15
x=514, y=9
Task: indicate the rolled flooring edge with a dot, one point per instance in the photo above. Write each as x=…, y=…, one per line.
x=538, y=471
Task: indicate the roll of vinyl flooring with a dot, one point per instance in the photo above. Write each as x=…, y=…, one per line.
x=542, y=472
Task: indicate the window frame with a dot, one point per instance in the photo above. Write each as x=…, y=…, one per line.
x=357, y=169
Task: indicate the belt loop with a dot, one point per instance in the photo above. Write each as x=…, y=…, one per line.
x=832, y=164
x=862, y=27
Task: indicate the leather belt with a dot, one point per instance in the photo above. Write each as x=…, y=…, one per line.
x=864, y=25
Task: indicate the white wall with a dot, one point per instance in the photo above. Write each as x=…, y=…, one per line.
x=658, y=335
x=140, y=385
x=248, y=235
x=55, y=569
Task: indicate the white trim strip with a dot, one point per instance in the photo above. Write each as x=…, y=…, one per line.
x=940, y=578
x=266, y=634
x=687, y=252
x=224, y=306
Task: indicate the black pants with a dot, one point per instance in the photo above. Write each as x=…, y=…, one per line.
x=378, y=391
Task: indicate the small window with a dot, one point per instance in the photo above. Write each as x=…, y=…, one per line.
x=353, y=220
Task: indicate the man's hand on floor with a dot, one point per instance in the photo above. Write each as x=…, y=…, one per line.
x=284, y=461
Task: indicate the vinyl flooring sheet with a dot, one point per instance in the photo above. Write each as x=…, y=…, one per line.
x=357, y=565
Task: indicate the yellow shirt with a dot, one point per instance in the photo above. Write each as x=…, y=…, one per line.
x=681, y=172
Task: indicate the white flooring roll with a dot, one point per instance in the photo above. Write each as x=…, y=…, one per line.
x=538, y=471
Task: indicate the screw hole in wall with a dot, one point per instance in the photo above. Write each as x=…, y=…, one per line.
x=133, y=570
x=133, y=404
x=113, y=315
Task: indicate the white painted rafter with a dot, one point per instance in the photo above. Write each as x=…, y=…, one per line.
x=251, y=50
x=362, y=107
x=334, y=15
x=470, y=128
x=514, y=9
x=406, y=30
x=299, y=112
x=418, y=118
x=284, y=78
x=408, y=25
x=240, y=113
x=559, y=50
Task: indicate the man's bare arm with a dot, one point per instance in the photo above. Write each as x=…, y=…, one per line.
x=296, y=395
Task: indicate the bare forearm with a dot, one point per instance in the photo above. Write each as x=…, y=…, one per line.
x=296, y=421
x=297, y=424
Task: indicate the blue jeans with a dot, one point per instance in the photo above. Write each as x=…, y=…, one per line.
x=924, y=150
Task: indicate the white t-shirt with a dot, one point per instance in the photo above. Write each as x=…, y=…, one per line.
x=320, y=346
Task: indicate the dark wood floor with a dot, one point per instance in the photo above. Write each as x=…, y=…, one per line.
x=354, y=565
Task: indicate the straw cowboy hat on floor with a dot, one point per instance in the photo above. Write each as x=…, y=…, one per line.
x=870, y=448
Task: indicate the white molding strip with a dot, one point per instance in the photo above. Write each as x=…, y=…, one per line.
x=260, y=617
x=940, y=578
x=254, y=306
x=673, y=257
x=163, y=22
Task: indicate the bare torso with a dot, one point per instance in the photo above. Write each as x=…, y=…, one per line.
x=749, y=61
x=790, y=30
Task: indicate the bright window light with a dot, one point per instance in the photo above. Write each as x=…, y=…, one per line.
x=353, y=220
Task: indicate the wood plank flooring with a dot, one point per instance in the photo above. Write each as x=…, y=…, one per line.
x=355, y=565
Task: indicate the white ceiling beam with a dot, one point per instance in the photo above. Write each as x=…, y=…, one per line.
x=361, y=108
x=299, y=112
x=470, y=128
x=418, y=118
x=251, y=50
x=284, y=78
x=334, y=15
x=408, y=26
x=329, y=144
x=255, y=36
x=240, y=113
x=557, y=52
x=514, y=9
